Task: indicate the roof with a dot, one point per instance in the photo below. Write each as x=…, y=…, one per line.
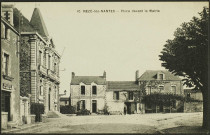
x=9, y=25
x=21, y=23
x=38, y=23
x=76, y=80
x=152, y=75
x=64, y=98
x=122, y=85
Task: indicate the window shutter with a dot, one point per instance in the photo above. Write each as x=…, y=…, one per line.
x=2, y=31
x=114, y=95
x=8, y=34
x=9, y=66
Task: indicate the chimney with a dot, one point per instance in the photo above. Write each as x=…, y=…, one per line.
x=7, y=13
x=137, y=75
x=72, y=75
x=104, y=74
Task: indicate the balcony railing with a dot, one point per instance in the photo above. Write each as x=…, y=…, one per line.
x=52, y=75
x=42, y=69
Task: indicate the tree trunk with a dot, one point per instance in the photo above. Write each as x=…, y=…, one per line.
x=206, y=110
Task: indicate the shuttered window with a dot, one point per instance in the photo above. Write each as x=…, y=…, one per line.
x=82, y=90
x=116, y=95
x=94, y=90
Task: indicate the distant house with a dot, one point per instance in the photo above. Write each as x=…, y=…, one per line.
x=65, y=101
x=195, y=94
x=160, y=81
x=123, y=97
x=88, y=92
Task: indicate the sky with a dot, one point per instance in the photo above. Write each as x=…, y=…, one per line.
x=119, y=43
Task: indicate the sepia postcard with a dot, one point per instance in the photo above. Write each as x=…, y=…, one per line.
x=105, y=67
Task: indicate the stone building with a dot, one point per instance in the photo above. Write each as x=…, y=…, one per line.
x=10, y=88
x=39, y=61
x=88, y=92
x=122, y=97
x=160, y=81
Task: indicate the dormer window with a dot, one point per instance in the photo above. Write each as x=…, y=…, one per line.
x=160, y=76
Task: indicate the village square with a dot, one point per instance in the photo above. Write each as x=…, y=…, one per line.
x=35, y=99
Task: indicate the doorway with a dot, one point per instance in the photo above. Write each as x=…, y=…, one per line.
x=5, y=103
x=94, y=106
x=49, y=98
x=128, y=104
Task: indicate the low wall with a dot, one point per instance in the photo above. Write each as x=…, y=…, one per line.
x=193, y=107
x=43, y=118
x=4, y=120
x=115, y=107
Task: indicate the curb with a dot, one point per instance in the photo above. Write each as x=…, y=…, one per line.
x=21, y=128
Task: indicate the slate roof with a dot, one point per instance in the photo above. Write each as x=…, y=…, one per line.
x=100, y=80
x=21, y=23
x=152, y=75
x=122, y=85
x=38, y=23
x=64, y=98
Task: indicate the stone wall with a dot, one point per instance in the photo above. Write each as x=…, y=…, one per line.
x=88, y=97
x=10, y=80
x=4, y=120
x=167, y=86
x=193, y=107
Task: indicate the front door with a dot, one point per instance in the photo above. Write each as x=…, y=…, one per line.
x=128, y=108
x=7, y=105
x=94, y=106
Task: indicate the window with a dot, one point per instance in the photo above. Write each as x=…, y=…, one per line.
x=188, y=95
x=49, y=57
x=41, y=89
x=82, y=104
x=54, y=67
x=161, y=76
x=94, y=90
x=55, y=93
x=173, y=88
x=40, y=57
x=7, y=16
x=148, y=90
x=116, y=95
x=82, y=90
x=130, y=95
x=45, y=58
x=161, y=88
x=7, y=33
x=6, y=64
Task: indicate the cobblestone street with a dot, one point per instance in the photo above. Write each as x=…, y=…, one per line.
x=145, y=123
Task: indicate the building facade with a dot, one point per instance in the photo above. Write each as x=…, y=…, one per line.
x=160, y=81
x=10, y=88
x=39, y=62
x=123, y=97
x=88, y=92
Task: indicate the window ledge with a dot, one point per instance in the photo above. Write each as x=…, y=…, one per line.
x=8, y=77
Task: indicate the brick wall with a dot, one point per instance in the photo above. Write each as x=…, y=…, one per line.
x=193, y=107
